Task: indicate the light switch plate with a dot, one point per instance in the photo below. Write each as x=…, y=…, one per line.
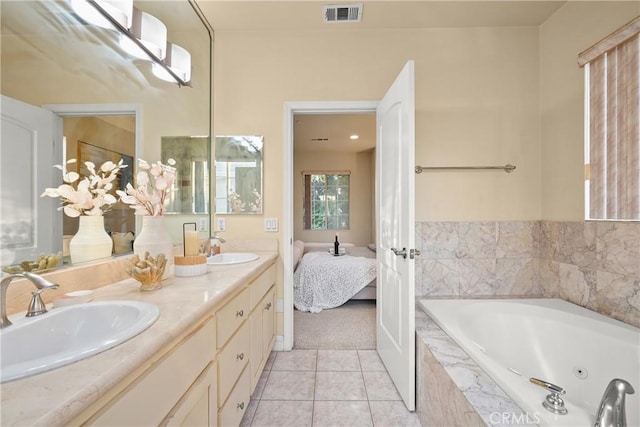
x=271, y=224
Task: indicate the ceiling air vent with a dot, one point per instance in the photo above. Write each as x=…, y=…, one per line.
x=343, y=13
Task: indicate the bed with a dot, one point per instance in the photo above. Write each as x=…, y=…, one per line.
x=322, y=280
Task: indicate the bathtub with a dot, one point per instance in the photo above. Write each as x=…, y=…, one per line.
x=513, y=340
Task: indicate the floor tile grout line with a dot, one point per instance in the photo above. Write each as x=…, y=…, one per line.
x=366, y=390
x=315, y=387
x=313, y=400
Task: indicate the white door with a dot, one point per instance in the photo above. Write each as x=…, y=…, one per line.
x=395, y=314
x=29, y=224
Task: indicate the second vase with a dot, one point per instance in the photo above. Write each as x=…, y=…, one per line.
x=155, y=239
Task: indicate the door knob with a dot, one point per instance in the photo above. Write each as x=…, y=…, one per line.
x=398, y=252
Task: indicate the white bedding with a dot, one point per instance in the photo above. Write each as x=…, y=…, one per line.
x=326, y=281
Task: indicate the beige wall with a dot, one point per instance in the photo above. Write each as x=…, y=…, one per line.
x=573, y=28
x=361, y=194
x=476, y=103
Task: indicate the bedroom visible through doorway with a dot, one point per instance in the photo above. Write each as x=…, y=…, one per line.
x=333, y=197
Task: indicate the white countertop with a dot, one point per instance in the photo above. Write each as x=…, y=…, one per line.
x=56, y=397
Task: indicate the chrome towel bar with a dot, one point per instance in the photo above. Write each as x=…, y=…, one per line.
x=507, y=168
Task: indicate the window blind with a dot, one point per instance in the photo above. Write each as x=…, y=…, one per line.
x=612, y=112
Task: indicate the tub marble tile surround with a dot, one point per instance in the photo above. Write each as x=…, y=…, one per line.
x=595, y=264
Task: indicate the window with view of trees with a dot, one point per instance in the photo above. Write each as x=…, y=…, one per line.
x=326, y=201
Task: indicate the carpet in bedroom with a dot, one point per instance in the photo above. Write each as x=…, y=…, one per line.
x=351, y=326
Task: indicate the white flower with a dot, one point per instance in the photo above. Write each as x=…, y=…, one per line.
x=153, y=184
x=90, y=196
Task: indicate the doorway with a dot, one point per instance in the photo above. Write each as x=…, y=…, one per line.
x=98, y=133
x=33, y=154
x=291, y=110
x=395, y=223
x=334, y=183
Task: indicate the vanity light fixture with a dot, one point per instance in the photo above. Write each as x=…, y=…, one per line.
x=119, y=10
x=178, y=59
x=148, y=30
x=142, y=35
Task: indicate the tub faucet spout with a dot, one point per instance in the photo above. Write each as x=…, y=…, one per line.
x=611, y=412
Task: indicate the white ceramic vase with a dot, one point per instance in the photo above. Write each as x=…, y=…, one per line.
x=155, y=239
x=91, y=242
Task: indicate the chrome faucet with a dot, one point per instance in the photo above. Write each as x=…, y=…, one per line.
x=36, y=306
x=216, y=236
x=611, y=412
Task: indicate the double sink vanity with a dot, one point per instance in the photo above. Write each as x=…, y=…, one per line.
x=197, y=351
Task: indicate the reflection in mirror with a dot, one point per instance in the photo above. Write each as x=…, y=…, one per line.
x=51, y=57
x=239, y=168
x=98, y=139
x=190, y=194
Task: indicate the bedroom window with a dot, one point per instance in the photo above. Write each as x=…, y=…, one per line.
x=326, y=200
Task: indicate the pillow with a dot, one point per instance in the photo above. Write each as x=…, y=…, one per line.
x=298, y=250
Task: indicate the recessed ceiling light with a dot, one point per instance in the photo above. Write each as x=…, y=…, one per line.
x=354, y=137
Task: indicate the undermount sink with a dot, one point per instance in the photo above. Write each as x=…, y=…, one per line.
x=229, y=258
x=67, y=334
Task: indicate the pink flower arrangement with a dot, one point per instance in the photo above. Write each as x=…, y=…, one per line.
x=153, y=184
x=91, y=195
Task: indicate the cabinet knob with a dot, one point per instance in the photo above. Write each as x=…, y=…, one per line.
x=240, y=405
x=239, y=313
x=268, y=306
x=240, y=356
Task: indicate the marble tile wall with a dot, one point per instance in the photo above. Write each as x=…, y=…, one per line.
x=478, y=258
x=595, y=264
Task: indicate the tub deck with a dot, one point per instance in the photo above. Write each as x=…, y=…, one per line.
x=491, y=404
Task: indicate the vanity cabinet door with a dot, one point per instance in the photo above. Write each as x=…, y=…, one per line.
x=262, y=322
x=153, y=395
x=268, y=323
x=199, y=405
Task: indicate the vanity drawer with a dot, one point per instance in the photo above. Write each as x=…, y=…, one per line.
x=232, y=360
x=231, y=316
x=261, y=285
x=232, y=412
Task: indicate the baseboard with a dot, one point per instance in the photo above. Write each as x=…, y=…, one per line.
x=278, y=345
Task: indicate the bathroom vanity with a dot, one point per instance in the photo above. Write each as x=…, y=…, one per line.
x=196, y=365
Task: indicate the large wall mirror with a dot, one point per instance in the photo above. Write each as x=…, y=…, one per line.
x=105, y=104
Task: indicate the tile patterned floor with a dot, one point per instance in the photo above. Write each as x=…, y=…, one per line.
x=326, y=388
